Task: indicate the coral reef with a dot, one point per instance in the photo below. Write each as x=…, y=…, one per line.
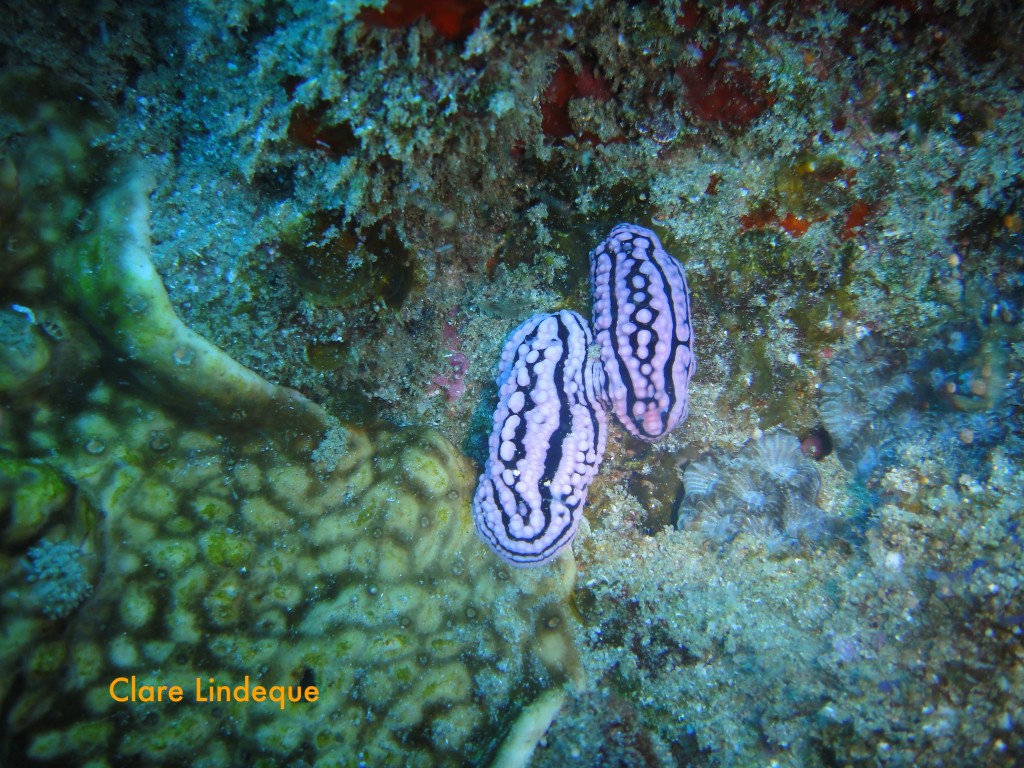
x=244, y=247
x=228, y=530
x=238, y=556
x=840, y=656
x=956, y=389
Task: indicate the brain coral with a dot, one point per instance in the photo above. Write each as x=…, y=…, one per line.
x=238, y=557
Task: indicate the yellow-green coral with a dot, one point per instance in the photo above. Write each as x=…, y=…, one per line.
x=108, y=275
x=252, y=536
x=30, y=492
x=366, y=581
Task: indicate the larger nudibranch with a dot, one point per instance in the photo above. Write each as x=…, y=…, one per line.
x=642, y=323
x=548, y=439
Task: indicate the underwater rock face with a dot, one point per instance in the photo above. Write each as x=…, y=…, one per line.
x=549, y=438
x=642, y=323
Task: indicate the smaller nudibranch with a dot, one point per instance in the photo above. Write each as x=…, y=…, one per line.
x=643, y=327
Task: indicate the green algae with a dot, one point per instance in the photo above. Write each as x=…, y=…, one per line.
x=328, y=355
x=30, y=493
x=807, y=185
x=340, y=266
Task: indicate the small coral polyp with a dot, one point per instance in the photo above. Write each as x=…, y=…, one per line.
x=768, y=489
x=862, y=386
x=58, y=577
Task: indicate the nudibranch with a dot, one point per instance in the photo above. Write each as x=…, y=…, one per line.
x=643, y=327
x=547, y=442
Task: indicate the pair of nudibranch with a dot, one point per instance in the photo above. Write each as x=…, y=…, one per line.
x=550, y=425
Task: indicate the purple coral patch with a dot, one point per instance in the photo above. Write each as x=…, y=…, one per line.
x=642, y=323
x=548, y=440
